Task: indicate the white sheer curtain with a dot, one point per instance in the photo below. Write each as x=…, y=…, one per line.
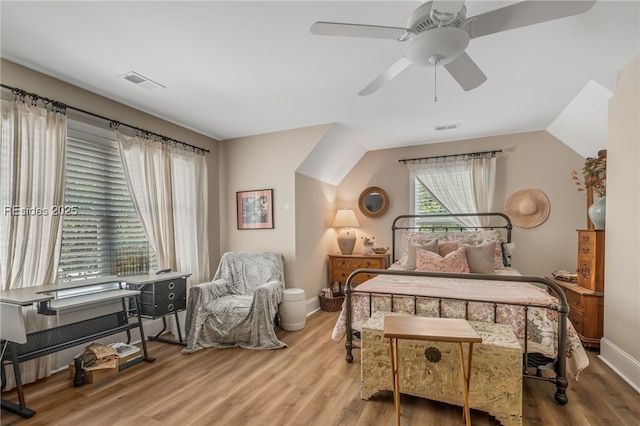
x=190, y=213
x=170, y=194
x=461, y=185
x=32, y=173
x=146, y=167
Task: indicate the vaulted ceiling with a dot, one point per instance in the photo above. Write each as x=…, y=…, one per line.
x=233, y=69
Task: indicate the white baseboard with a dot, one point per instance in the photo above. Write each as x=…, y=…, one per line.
x=621, y=362
x=313, y=305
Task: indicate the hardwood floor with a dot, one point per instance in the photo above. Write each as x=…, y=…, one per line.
x=308, y=383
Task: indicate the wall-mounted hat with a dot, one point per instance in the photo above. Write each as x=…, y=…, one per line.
x=528, y=208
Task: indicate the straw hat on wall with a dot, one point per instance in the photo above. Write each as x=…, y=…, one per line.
x=528, y=208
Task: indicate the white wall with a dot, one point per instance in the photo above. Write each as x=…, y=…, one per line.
x=621, y=343
x=267, y=161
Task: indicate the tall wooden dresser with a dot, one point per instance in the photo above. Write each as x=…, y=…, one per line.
x=586, y=299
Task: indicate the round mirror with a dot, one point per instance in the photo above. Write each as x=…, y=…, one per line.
x=373, y=202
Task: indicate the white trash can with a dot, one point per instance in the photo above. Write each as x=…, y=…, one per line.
x=293, y=309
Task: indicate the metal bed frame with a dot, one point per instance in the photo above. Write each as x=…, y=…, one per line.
x=560, y=364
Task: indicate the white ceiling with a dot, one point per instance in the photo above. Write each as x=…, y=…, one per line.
x=241, y=68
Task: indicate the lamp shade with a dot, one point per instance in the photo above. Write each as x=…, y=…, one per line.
x=345, y=218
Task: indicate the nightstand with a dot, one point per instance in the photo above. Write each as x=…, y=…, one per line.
x=342, y=265
x=586, y=312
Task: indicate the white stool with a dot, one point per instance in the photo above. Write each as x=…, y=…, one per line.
x=293, y=309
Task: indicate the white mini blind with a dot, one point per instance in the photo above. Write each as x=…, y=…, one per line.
x=99, y=218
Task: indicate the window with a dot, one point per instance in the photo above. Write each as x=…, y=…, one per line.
x=101, y=232
x=425, y=203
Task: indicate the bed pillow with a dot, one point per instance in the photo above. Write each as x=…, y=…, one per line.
x=446, y=247
x=455, y=261
x=480, y=258
x=431, y=246
x=478, y=237
x=419, y=238
x=507, y=251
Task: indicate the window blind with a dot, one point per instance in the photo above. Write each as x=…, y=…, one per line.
x=99, y=219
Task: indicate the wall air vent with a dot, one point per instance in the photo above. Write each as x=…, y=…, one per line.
x=142, y=81
x=452, y=126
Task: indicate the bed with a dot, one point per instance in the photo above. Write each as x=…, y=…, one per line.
x=534, y=307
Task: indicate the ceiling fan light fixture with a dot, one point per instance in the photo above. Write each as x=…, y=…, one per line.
x=446, y=43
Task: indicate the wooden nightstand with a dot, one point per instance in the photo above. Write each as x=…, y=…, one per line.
x=586, y=312
x=342, y=265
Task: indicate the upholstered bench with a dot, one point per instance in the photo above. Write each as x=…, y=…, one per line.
x=432, y=369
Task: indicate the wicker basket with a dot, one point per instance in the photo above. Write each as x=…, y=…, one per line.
x=331, y=305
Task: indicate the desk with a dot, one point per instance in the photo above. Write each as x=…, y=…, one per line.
x=161, y=295
x=51, y=340
x=433, y=329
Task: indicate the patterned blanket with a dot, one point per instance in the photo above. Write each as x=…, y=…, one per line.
x=239, y=306
x=541, y=324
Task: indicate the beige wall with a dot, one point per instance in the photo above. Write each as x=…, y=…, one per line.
x=315, y=207
x=15, y=75
x=269, y=161
x=621, y=343
x=529, y=160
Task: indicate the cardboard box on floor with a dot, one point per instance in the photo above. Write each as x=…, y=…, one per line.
x=94, y=376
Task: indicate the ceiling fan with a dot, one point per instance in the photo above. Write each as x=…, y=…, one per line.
x=438, y=33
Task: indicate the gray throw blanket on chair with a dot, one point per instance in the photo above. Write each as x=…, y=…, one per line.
x=239, y=306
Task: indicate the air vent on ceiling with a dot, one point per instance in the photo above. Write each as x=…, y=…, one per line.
x=142, y=81
x=446, y=126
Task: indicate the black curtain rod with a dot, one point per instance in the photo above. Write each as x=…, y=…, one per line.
x=112, y=123
x=469, y=154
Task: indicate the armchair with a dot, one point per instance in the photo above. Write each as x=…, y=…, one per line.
x=238, y=307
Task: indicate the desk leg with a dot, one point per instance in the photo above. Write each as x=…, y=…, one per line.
x=164, y=327
x=147, y=358
x=465, y=372
x=20, y=408
x=395, y=374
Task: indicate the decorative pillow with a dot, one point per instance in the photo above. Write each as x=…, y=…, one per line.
x=455, y=261
x=507, y=251
x=446, y=247
x=480, y=258
x=432, y=246
x=475, y=238
x=419, y=238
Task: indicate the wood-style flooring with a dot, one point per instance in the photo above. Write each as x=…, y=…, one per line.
x=308, y=383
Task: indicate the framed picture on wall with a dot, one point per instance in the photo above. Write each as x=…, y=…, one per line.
x=255, y=209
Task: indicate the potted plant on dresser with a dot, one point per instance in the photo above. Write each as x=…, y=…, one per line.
x=594, y=180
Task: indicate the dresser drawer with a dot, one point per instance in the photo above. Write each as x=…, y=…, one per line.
x=587, y=237
x=575, y=299
x=577, y=319
x=342, y=275
x=357, y=263
x=587, y=251
x=587, y=272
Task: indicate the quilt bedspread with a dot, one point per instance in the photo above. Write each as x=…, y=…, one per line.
x=424, y=293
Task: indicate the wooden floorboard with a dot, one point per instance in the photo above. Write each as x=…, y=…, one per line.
x=308, y=383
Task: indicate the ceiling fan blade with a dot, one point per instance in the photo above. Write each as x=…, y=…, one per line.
x=523, y=14
x=447, y=6
x=386, y=76
x=358, y=30
x=466, y=72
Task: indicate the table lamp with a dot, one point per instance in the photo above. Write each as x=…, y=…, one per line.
x=346, y=220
